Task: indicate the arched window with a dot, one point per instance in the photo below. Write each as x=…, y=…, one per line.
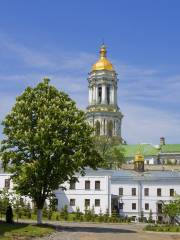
x=97, y=124
x=110, y=128
x=108, y=94
x=99, y=94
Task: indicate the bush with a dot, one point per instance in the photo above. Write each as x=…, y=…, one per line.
x=64, y=213
x=162, y=228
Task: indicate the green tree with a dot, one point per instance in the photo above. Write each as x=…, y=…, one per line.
x=111, y=151
x=172, y=210
x=47, y=142
x=5, y=201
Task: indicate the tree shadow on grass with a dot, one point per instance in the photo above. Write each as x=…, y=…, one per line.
x=94, y=229
x=6, y=228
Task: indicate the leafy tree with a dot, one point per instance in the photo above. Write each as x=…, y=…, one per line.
x=111, y=151
x=47, y=142
x=5, y=201
x=172, y=210
x=150, y=219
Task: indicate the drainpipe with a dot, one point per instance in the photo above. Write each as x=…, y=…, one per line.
x=109, y=194
x=139, y=198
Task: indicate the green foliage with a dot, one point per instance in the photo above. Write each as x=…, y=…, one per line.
x=150, y=219
x=64, y=213
x=89, y=215
x=23, y=231
x=111, y=151
x=47, y=142
x=78, y=214
x=4, y=201
x=162, y=228
x=172, y=210
x=114, y=216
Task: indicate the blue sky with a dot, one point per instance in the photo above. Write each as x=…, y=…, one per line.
x=61, y=39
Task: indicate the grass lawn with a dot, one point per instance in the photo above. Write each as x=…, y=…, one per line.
x=162, y=228
x=23, y=231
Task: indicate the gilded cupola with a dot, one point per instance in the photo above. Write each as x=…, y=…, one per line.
x=103, y=63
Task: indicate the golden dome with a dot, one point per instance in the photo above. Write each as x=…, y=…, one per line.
x=102, y=63
x=139, y=158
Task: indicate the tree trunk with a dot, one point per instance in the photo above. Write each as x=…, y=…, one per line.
x=39, y=216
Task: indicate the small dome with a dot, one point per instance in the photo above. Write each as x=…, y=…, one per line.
x=102, y=63
x=139, y=158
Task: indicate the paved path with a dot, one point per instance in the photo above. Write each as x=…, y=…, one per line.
x=87, y=231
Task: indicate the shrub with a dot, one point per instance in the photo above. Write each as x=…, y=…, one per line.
x=64, y=213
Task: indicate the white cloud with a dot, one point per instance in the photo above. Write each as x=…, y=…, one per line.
x=139, y=89
x=145, y=124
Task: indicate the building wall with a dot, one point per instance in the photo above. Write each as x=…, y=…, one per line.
x=140, y=199
x=80, y=194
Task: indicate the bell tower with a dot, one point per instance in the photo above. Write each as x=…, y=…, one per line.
x=103, y=112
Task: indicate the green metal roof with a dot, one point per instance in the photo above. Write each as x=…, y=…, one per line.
x=170, y=148
x=150, y=150
x=145, y=149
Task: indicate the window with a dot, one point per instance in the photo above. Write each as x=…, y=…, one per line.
x=146, y=192
x=159, y=208
x=146, y=206
x=121, y=191
x=133, y=206
x=72, y=185
x=72, y=202
x=171, y=192
x=87, y=202
x=87, y=185
x=98, y=128
x=7, y=183
x=159, y=192
x=120, y=205
x=97, y=202
x=108, y=94
x=110, y=128
x=133, y=191
x=97, y=185
x=99, y=94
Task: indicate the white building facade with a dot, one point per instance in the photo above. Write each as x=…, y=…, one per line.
x=130, y=193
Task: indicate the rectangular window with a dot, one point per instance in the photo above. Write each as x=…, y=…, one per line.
x=133, y=191
x=171, y=192
x=87, y=202
x=72, y=202
x=146, y=206
x=72, y=185
x=146, y=191
x=97, y=203
x=133, y=206
x=87, y=185
x=159, y=192
x=97, y=185
x=120, y=191
x=120, y=205
x=7, y=183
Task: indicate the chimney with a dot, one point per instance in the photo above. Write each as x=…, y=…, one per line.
x=162, y=141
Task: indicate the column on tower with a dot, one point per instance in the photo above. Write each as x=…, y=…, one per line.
x=90, y=95
x=102, y=127
x=93, y=94
x=115, y=95
x=114, y=128
x=112, y=95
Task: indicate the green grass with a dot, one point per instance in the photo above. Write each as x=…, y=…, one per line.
x=162, y=228
x=23, y=231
